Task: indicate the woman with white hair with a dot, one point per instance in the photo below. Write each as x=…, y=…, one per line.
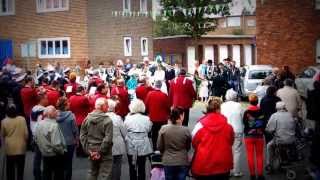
x=119, y=133
x=282, y=126
x=138, y=145
x=233, y=111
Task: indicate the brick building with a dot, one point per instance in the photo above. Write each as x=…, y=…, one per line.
x=288, y=32
x=45, y=31
x=72, y=32
x=234, y=37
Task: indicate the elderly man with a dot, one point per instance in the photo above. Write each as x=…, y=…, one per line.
x=96, y=137
x=282, y=126
x=290, y=97
x=233, y=111
x=51, y=143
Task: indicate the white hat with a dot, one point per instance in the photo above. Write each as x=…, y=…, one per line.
x=231, y=95
x=50, y=68
x=66, y=70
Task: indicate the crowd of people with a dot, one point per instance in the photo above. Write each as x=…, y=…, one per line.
x=139, y=110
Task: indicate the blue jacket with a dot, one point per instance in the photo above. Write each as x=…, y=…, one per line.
x=67, y=124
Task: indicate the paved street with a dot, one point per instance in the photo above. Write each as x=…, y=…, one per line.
x=81, y=164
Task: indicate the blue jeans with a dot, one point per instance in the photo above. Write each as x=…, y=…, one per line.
x=37, y=159
x=176, y=172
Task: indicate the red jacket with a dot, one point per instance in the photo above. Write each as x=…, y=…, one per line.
x=79, y=106
x=74, y=88
x=29, y=99
x=212, y=140
x=158, y=106
x=53, y=96
x=122, y=108
x=142, y=92
x=182, y=92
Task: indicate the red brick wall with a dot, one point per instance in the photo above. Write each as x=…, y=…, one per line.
x=28, y=25
x=287, y=31
x=106, y=32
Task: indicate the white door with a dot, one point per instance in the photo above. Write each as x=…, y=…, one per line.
x=208, y=53
x=318, y=52
x=191, y=59
x=248, y=54
x=223, y=53
x=236, y=54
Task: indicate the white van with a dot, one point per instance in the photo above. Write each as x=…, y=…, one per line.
x=253, y=77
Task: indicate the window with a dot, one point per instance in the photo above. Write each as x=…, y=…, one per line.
x=234, y=22
x=143, y=6
x=54, y=48
x=259, y=74
x=251, y=23
x=52, y=5
x=317, y=4
x=127, y=5
x=144, y=46
x=7, y=7
x=127, y=45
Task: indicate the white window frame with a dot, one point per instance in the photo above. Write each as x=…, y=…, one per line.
x=8, y=13
x=45, y=9
x=146, y=52
x=127, y=53
x=54, y=56
x=232, y=25
x=317, y=4
x=144, y=7
x=129, y=6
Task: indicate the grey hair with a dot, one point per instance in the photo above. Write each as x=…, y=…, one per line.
x=231, y=95
x=100, y=102
x=111, y=105
x=48, y=111
x=137, y=106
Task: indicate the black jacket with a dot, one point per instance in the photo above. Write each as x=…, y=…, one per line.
x=268, y=105
x=313, y=104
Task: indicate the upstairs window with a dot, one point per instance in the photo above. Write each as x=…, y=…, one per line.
x=233, y=21
x=6, y=7
x=317, y=4
x=144, y=47
x=127, y=5
x=54, y=48
x=143, y=6
x=127, y=46
x=52, y=5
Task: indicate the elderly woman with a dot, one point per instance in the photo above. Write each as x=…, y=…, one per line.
x=67, y=124
x=233, y=111
x=119, y=147
x=212, y=139
x=138, y=145
x=14, y=131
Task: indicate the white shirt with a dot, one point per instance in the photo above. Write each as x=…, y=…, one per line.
x=234, y=113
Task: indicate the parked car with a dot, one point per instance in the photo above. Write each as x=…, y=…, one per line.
x=253, y=76
x=306, y=78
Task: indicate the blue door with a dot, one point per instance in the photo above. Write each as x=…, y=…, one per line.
x=6, y=50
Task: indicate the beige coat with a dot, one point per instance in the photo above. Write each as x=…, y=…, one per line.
x=15, y=134
x=291, y=98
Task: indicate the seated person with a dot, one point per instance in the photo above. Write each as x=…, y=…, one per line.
x=282, y=126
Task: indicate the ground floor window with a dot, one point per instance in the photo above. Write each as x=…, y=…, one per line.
x=127, y=46
x=54, y=47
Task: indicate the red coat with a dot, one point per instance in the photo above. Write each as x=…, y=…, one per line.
x=142, y=92
x=182, y=93
x=74, y=88
x=29, y=99
x=212, y=140
x=79, y=105
x=122, y=108
x=53, y=96
x=158, y=106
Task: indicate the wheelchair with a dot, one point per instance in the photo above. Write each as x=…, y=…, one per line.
x=286, y=158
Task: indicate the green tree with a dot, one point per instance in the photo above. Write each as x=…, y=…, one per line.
x=163, y=27
x=196, y=16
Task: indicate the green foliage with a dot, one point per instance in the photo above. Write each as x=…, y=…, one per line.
x=163, y=27
x=197, y=16
x=237, y=32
